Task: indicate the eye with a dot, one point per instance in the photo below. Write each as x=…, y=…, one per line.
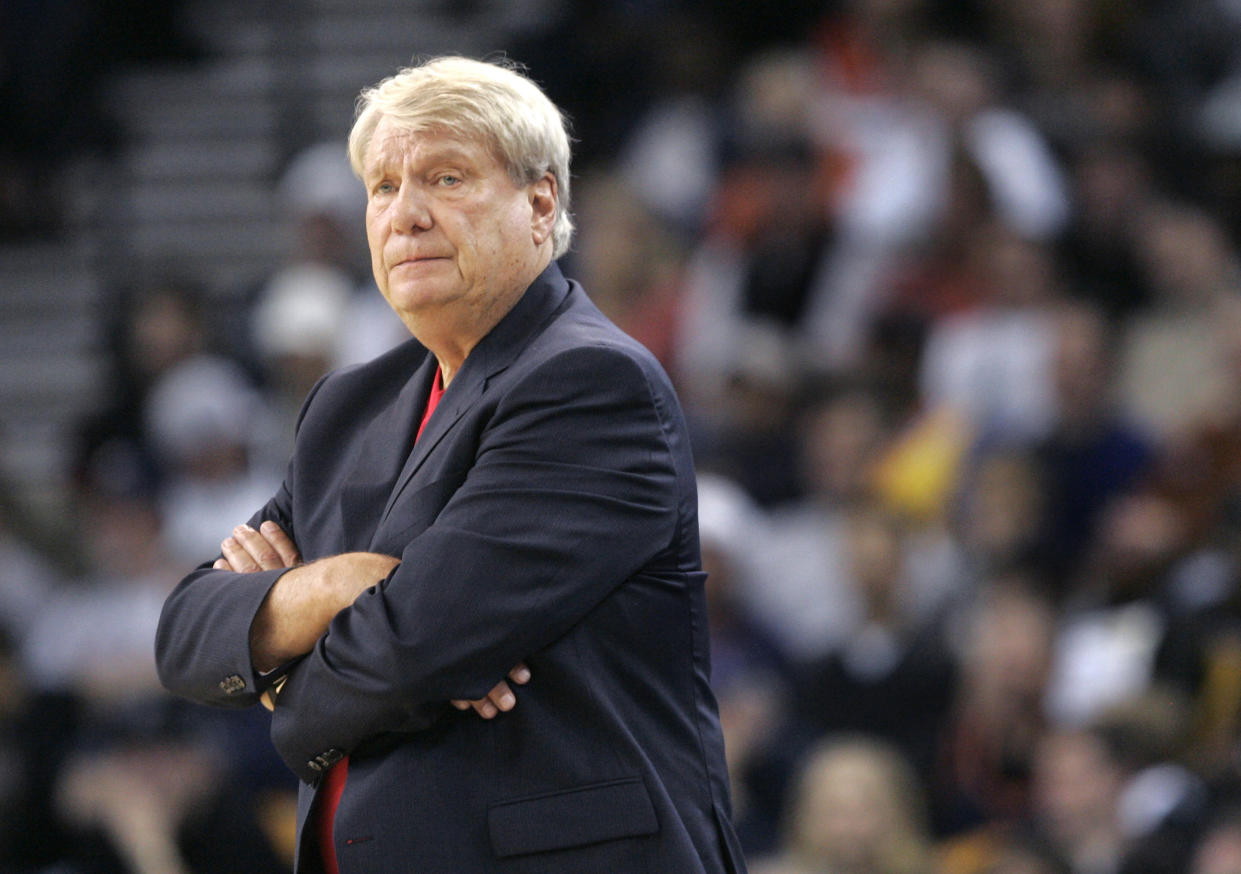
x=448, y=180
x=384, y=187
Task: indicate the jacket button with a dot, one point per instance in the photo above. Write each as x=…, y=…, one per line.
x=328, y=758
x=232, y=684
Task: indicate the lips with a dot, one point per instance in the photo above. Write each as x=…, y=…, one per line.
x=417, y=259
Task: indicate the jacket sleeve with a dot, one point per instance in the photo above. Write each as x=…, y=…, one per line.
x=202, y=643
x=573, y=490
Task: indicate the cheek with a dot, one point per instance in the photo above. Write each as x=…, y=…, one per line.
x=471, y=238
x=511, y=232
x=374, y=237
x=375, y=242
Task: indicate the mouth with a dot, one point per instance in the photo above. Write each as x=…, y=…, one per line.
x=417, y=260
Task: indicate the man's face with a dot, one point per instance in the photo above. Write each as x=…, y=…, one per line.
x=451, y=235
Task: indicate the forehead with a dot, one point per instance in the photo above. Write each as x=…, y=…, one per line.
x=394, y=143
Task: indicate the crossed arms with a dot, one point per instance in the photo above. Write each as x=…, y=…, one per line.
x=572, y=487
x=301, y=604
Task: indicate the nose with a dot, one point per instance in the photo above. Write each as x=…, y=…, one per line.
x=410, y=211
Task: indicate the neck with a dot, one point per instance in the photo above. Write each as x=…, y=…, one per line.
x=451, y=332
x=451, y=335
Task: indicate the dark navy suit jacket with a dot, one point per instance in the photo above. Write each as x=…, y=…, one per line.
x=546, y=515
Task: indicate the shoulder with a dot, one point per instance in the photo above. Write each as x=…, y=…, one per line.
x=580, y=371
x=354, y=394
x=581, y=340
x=392, y=368
x=382, y=376
x=583, y=362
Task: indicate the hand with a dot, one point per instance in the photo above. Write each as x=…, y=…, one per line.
x=248, y=550
x=501, y=698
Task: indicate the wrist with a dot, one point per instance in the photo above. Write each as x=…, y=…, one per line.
x=283, y=628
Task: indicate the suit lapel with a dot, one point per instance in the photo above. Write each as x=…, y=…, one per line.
x=380, y=457
x=460, y=395
x=492, y=354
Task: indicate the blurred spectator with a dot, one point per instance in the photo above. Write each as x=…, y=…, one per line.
x=892, y=675
x=856, y=809
x=993, y=364
x=209, y=430
x=1174, y=365
x=1112, y=185
x=808, y=594
x=149, y=330
x=92, y=637
x=749, y=672
x=1092, y=454
x=671, y=159
x=860, y=45
x=761, y=255
x=944, y=117
x=139, y=779
x=324, y=201
x=919, y=472
x=631, y=261
x=748, y=432
x=1074, y=69
x=1112, y=631
x=31, y=752
x=1004, y=647
x=326, y=280
x=1219, y=850
x=1200, y=467
x=1001, y=505
x=296, y=325
x=1110, y=798
x=1077, y=787
x=1162, y=802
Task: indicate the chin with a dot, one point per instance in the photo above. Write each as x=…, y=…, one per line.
x=424, y=297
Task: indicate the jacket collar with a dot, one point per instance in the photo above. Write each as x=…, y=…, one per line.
x=497, y=350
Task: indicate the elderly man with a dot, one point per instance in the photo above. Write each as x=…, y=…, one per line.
x=509, y=495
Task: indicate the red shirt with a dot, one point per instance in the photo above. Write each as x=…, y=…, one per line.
x=334, y=781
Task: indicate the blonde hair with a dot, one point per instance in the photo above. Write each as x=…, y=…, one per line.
x=494, y=103
x=868, y=772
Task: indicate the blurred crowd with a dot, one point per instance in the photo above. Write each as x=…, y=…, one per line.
x=951, y=292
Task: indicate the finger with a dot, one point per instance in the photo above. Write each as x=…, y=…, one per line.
x=484, y=708
x=520, y=674
x=262, y=551
x=502, y=697
x=460, y=704
x=282, y=543
x=221, y=564
x=238, y=559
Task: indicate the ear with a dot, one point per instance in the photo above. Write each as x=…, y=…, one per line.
x=544, y=197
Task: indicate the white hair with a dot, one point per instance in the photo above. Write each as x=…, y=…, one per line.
x=491, y=102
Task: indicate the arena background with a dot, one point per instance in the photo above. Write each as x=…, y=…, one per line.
x=951, y=293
